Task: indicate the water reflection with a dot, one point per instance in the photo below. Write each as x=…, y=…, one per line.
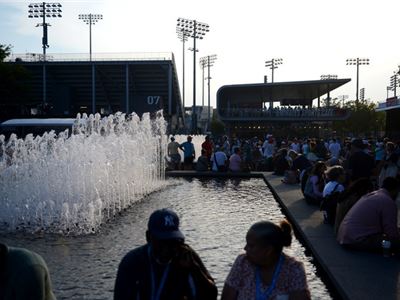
x=215, y=216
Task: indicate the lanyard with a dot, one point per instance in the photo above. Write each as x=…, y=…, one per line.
x=265, y=295
x=156, y=292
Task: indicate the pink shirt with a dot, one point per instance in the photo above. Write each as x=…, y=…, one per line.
x=234, y=162
x=242, y=278
x=374, y=213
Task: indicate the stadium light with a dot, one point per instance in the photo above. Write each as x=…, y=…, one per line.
x=357, y=62
x=208, y=61
x=195, y=30
x=90, y=19
x=394, y=83
x=273, y=64
x=43, y=10
x=183, y=35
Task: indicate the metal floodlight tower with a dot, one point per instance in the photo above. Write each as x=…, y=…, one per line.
x=195, y=30
x=203, y=65
x=90, y=19
x=357, y=62
x=329, y=77
x=183, y=37
x=273, y=64
x=394, y=83
x=43, y=10
x=208, y=61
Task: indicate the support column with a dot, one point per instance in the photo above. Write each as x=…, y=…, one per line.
x=93, y=89
x=127, y=88
x=170, y=90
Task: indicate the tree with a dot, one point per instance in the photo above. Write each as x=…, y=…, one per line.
x=13, y=86
x=363, y=121
x=5, y=50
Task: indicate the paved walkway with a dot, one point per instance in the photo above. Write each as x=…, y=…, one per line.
x=355, y=275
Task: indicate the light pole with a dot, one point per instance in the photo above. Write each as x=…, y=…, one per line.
x=329, y=77
x=394, y=83
x=183, y=37
x=90, y=19
x=357, y=62
x=43, y=10
x=388, y=88
x=203, y=65
x=273, y=64
x=342, y=98
x=209, y=61
x=196, y=30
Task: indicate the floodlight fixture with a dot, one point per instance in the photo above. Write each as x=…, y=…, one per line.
x=357, y=62
x=329, y=77
x=195, y=30
x=273, y=64
x=394, y=83
x=90, y=19
x=44, y=10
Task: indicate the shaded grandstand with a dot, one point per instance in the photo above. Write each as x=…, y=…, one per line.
x=70, y=83
x=248, y=109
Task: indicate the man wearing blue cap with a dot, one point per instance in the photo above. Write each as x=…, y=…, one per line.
x=164, y=268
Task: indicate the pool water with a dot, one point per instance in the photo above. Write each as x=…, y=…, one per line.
x=215, y=216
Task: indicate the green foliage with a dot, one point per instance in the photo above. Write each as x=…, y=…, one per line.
x=217, y=127
x=13, y=87
x=363, y=121
x=5, y=50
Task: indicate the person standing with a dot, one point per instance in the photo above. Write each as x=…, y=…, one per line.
x=360, y=163
x=188, y=153
x=173, y=153
x=334, y=149
x=207, y=145
x=23, y=275
x=165, y=268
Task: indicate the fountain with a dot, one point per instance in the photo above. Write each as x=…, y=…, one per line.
x=71, y=184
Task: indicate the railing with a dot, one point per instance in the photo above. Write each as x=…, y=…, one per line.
x=285, y=113
x=389, y=103
x=60, y=57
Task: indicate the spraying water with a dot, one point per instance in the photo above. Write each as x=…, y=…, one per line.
x=73, y=184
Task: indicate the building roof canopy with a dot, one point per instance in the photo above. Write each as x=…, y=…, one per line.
x=298, y=91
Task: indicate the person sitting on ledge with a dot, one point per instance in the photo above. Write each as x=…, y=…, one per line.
x=235, y=161
x=202, y=162
x=355, y=191
x=219, y=160
x=371, y=219
x=165, y=268
x=264, y=271
x=23, y=275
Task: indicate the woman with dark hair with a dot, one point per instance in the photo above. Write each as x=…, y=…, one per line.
x=264, y=271
x=356, y=190
x=315, y=183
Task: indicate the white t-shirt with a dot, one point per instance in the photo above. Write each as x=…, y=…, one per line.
x=268, y=149
x=221, y=159
x=330, y=186
x=334, y=149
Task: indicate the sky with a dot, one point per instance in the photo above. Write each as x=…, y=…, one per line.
x=313, y=38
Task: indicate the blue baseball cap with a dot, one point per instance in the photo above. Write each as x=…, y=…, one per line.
x=164, y=225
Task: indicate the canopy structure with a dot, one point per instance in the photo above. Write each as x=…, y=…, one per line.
x=288, y=93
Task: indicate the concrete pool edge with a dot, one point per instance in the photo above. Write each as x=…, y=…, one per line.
x=353, y=275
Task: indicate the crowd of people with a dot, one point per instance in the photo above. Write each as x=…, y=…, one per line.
x=354, y=182
x=277, y=112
